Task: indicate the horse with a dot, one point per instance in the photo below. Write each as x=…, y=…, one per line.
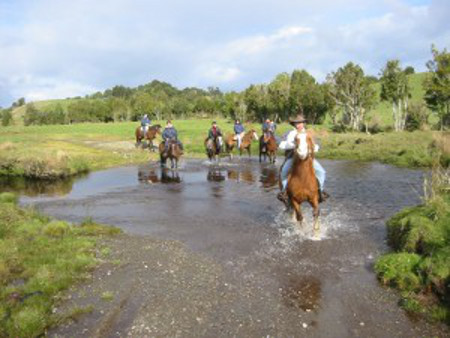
x=213, y=147
x=268, y=147
x=246, y=142
x=302, y=184
x=173, y=152
x=150, y=135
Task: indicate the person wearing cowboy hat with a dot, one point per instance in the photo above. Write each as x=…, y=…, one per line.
x=299, y=124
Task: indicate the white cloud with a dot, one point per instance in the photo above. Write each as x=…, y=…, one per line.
x=52, y=48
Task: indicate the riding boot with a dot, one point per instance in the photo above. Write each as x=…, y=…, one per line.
x=283, y=197
x=323, y=196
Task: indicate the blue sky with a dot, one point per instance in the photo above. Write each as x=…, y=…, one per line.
x=58, y=48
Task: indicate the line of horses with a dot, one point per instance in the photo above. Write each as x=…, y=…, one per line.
x=302, y=183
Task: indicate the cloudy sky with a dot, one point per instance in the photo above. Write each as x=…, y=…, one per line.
x=59, y=48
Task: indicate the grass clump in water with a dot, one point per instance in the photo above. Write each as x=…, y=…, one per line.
x=39, y=258
x=420, y=267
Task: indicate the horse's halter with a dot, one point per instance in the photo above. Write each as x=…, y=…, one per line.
x=302, y=148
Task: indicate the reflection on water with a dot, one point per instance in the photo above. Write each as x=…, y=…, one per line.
x=147, y=175
x=269, y=177
x=31, y=188
x=170, y=176
x=245, y=175
x=216, y=174
x=302, y=292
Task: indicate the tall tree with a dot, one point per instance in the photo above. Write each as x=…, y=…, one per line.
x=437, y=85
x=278, y=94
x=307, y=94
x=255, y=103
x=395, y=89
x=352, y=92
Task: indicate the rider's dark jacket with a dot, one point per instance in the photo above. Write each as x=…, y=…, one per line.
x=238, y=128
x=212, y=134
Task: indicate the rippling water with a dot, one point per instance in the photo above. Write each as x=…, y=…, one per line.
x=230, y=213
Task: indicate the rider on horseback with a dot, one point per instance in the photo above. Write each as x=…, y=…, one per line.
x=145, y=123
x=299, y=127
x=214, y=134
x=170, y=133
x=239, y=132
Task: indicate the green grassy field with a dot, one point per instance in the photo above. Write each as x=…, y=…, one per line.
x=65, y=150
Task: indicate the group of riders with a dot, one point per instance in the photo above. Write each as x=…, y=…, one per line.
x=287, y=143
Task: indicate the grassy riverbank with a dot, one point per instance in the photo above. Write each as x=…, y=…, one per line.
x=39, y=258
x=420, y=265
x=65, y=150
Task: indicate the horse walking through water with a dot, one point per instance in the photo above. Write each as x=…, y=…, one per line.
x=302, y=184
x=246, y=142
x=268, y=147
x=213, y=147
x=172, y=152
x=150, y=135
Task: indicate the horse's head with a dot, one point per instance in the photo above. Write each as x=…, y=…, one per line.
x=302, y=146
x=157, y=128
x=253, y=134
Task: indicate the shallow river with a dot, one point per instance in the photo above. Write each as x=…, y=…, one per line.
x=229, y=212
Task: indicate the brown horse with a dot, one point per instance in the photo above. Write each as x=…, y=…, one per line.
x=213, y=147
x=173, y=152
x=150, y=135
x=302, y=184
x=268, y=147
x=246, y=142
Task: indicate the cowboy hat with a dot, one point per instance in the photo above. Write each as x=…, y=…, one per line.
x=297, y=119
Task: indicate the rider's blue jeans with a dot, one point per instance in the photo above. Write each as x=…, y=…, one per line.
x=319, y=170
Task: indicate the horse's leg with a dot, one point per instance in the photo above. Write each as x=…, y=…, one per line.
x=297, y=211
x=316, y=213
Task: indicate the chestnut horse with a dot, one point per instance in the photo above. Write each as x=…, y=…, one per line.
x=302, y=184
x=213, y=147
x=150, y=135
x=268, y=147
x=173, y=152
x=246, y=142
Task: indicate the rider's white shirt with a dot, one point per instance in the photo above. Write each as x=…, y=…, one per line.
x=289, y=143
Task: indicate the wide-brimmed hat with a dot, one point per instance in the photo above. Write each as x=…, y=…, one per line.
x=297, y=119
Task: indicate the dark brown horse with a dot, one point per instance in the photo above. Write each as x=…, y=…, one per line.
x=150, y=135
x=268, y=147
x=213, y=147
x=172, y=152
x=246, y=143
x=302, y=184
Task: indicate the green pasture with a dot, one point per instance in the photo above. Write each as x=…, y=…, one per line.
x=64, y=150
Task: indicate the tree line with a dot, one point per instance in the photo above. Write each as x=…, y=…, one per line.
x=348, y=96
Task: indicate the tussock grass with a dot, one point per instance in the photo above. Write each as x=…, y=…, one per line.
x=39, y=258
x=420, y=236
